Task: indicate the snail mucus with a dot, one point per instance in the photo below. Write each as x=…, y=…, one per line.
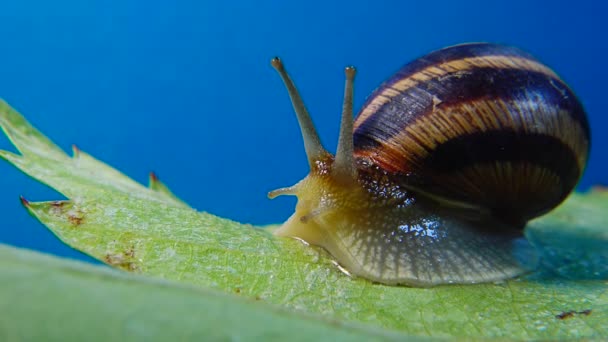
x=436, y=178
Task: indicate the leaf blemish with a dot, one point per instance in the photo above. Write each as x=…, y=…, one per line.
x=73, y=213
x=130, y=252
x=57, y=208
x=572, y=313
x=124, y=260
x=76, y=217
x=58, y=204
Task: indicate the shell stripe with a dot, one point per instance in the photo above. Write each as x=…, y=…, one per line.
x=406, y=80
x=406, y=130
x=540, y=149
x=533, y=174
x=449, y=54
x=412, y=146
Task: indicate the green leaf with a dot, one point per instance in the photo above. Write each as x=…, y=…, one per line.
x=150, y=232
x=79, y=301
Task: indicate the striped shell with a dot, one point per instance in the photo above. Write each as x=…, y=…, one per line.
x=479, y=123
x=444, y=165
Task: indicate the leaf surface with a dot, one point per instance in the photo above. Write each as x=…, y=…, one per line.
x=79, y=301
x=151, y=232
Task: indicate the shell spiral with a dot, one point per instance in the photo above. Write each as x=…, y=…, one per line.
x=442, y=168
x=482, y=124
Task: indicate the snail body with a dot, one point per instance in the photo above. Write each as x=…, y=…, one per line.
x=446, y=162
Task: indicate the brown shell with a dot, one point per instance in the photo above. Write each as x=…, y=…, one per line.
x=480, y=123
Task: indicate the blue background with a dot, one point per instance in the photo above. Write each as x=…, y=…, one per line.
x=184, y=88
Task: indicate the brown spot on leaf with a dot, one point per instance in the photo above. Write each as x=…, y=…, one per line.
x=585, y=312
x=572, y=313
x=124, y=260
x=58, y=207
x=58, y=204
x=71, y=212
x=116, y=260
x=76, y=218
x=565, y=314
x=130, y=252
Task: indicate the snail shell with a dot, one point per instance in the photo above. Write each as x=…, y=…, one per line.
x=446, y=162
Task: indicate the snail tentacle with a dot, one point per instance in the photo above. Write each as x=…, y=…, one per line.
x=344, y=165
x=286, y=191
x=312, y=143
x=434, y=181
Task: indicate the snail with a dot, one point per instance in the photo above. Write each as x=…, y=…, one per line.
x=436, y=178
